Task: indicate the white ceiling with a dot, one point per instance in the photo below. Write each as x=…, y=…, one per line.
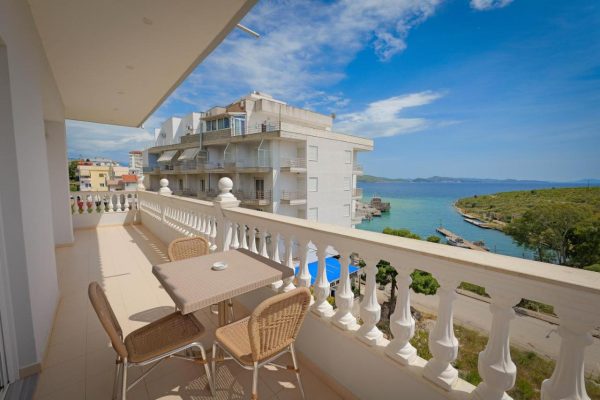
x=115, y=61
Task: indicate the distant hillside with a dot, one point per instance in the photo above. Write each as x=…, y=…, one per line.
x=437, y=179
x=501, y=208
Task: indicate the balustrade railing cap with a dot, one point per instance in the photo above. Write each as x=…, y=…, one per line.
x=225, y=197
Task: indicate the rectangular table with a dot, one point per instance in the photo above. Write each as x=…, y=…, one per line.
x=193, y=285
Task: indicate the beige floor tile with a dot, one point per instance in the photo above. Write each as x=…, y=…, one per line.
x=80, y=361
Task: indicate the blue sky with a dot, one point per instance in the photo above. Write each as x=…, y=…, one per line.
x=480, y=88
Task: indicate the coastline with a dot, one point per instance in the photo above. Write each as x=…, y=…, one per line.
x=494, y=224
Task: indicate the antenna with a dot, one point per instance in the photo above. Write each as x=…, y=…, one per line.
x=248, y=30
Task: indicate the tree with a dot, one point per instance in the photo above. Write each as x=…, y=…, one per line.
x=423, y=282
x=387, y=274
x=585, y=249
x=73, y=170
x=548, y=230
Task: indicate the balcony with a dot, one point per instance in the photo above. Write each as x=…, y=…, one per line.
x=294, y=165
x=334, y=338
x=357, y=169
x=293, y=198
x=357, y=193
x=255, y=198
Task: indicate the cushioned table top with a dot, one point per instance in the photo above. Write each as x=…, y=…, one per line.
x=193, y=285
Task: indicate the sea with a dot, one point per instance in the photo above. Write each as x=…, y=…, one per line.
x=421, y=207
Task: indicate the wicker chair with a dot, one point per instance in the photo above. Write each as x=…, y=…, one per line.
x=152, y=343
x=268, y=333
x=187, y=247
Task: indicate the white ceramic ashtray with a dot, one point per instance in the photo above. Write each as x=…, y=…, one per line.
x=219, y=266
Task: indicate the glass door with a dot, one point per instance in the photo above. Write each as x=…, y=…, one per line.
x=259, y=185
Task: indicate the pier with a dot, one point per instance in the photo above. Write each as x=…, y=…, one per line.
x=455, y=240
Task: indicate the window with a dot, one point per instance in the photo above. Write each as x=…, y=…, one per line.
x=313, y=184
x=346, y=183
x=346, y=210
x=313, y=153
x=313, y=214
x=348, y=156
x=101, y=175
x=102, y=185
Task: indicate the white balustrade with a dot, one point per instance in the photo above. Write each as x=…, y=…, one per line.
x=321, y=288
x=370, y=310
x=277, y=285
x=402, y=323
x=103, y=202
x=443, y=345
x=495, y=365
x=574, y=293
x=344, y=297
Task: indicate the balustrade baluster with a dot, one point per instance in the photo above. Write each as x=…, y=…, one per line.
x=402, y=324
x=263, y=243
x=304, y=278
x=442, y=342
x=126, y=205
x=288, y=283
x=253, y=240
x=235, y=244
x=119, y=205
x=111, y=205
x=276, y=286
x=495, y=365
x=344, y=297
x=213, y=233
x=202, y=226
x=568, y=379
x=370, y=310
x=243, y=237
x=321, y=287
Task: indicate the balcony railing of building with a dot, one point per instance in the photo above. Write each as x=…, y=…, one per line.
x=257, y=198
x=288, y=197
x=357, y=169
x=573, y=293
x=102, y=202
x=357, y=192
x=293, y=164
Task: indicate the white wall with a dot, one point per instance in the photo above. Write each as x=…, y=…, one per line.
x=28, y=228
x=330, y=169
x=56, y=147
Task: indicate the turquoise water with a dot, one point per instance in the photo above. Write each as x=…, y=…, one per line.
x=422, y=207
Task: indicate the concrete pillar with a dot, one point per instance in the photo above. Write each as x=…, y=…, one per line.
x=58, y=171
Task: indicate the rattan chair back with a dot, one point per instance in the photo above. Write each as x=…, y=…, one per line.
x=107, y=318
x=187, y=247
x=275, y=323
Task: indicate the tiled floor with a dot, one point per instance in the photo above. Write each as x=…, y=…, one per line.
x=80, y=363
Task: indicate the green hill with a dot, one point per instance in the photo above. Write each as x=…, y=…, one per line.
x=502, y=208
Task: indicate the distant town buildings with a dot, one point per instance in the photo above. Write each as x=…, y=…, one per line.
x=282, y=159
x=103, y=175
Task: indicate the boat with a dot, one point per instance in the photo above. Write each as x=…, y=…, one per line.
x=379, y=205
x=478, y=223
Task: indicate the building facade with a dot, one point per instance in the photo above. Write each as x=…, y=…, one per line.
x=136, y=162
x=282, y=159
x=95, y=176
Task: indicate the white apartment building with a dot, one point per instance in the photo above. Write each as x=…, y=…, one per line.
x=282, y=159
x=136, y=162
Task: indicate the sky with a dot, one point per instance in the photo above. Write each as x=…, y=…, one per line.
x=462, y=88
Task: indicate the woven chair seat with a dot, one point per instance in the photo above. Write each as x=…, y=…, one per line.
x=162, y=336
x=236, y=340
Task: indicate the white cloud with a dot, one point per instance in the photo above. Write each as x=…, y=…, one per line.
x=382, y=118
x=483, y=5
x=88, y=139
x=304, y=49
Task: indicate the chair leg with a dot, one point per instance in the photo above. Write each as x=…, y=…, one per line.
x=124, y=380
x=206, y=369
x=296, y=369
x=231, y=314
x=255, y=382
x=116, y=383
x=213, y=364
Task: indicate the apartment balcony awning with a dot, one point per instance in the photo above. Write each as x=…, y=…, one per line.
x=167, y=156
x=189, y=154
x=115, y=62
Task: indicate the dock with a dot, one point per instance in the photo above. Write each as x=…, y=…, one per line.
x=455, y=240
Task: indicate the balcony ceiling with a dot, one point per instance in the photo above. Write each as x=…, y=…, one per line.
x=116, y=61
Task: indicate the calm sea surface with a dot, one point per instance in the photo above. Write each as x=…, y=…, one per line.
x=422, y=207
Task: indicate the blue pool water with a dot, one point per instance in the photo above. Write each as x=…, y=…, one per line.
x=422, y=207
